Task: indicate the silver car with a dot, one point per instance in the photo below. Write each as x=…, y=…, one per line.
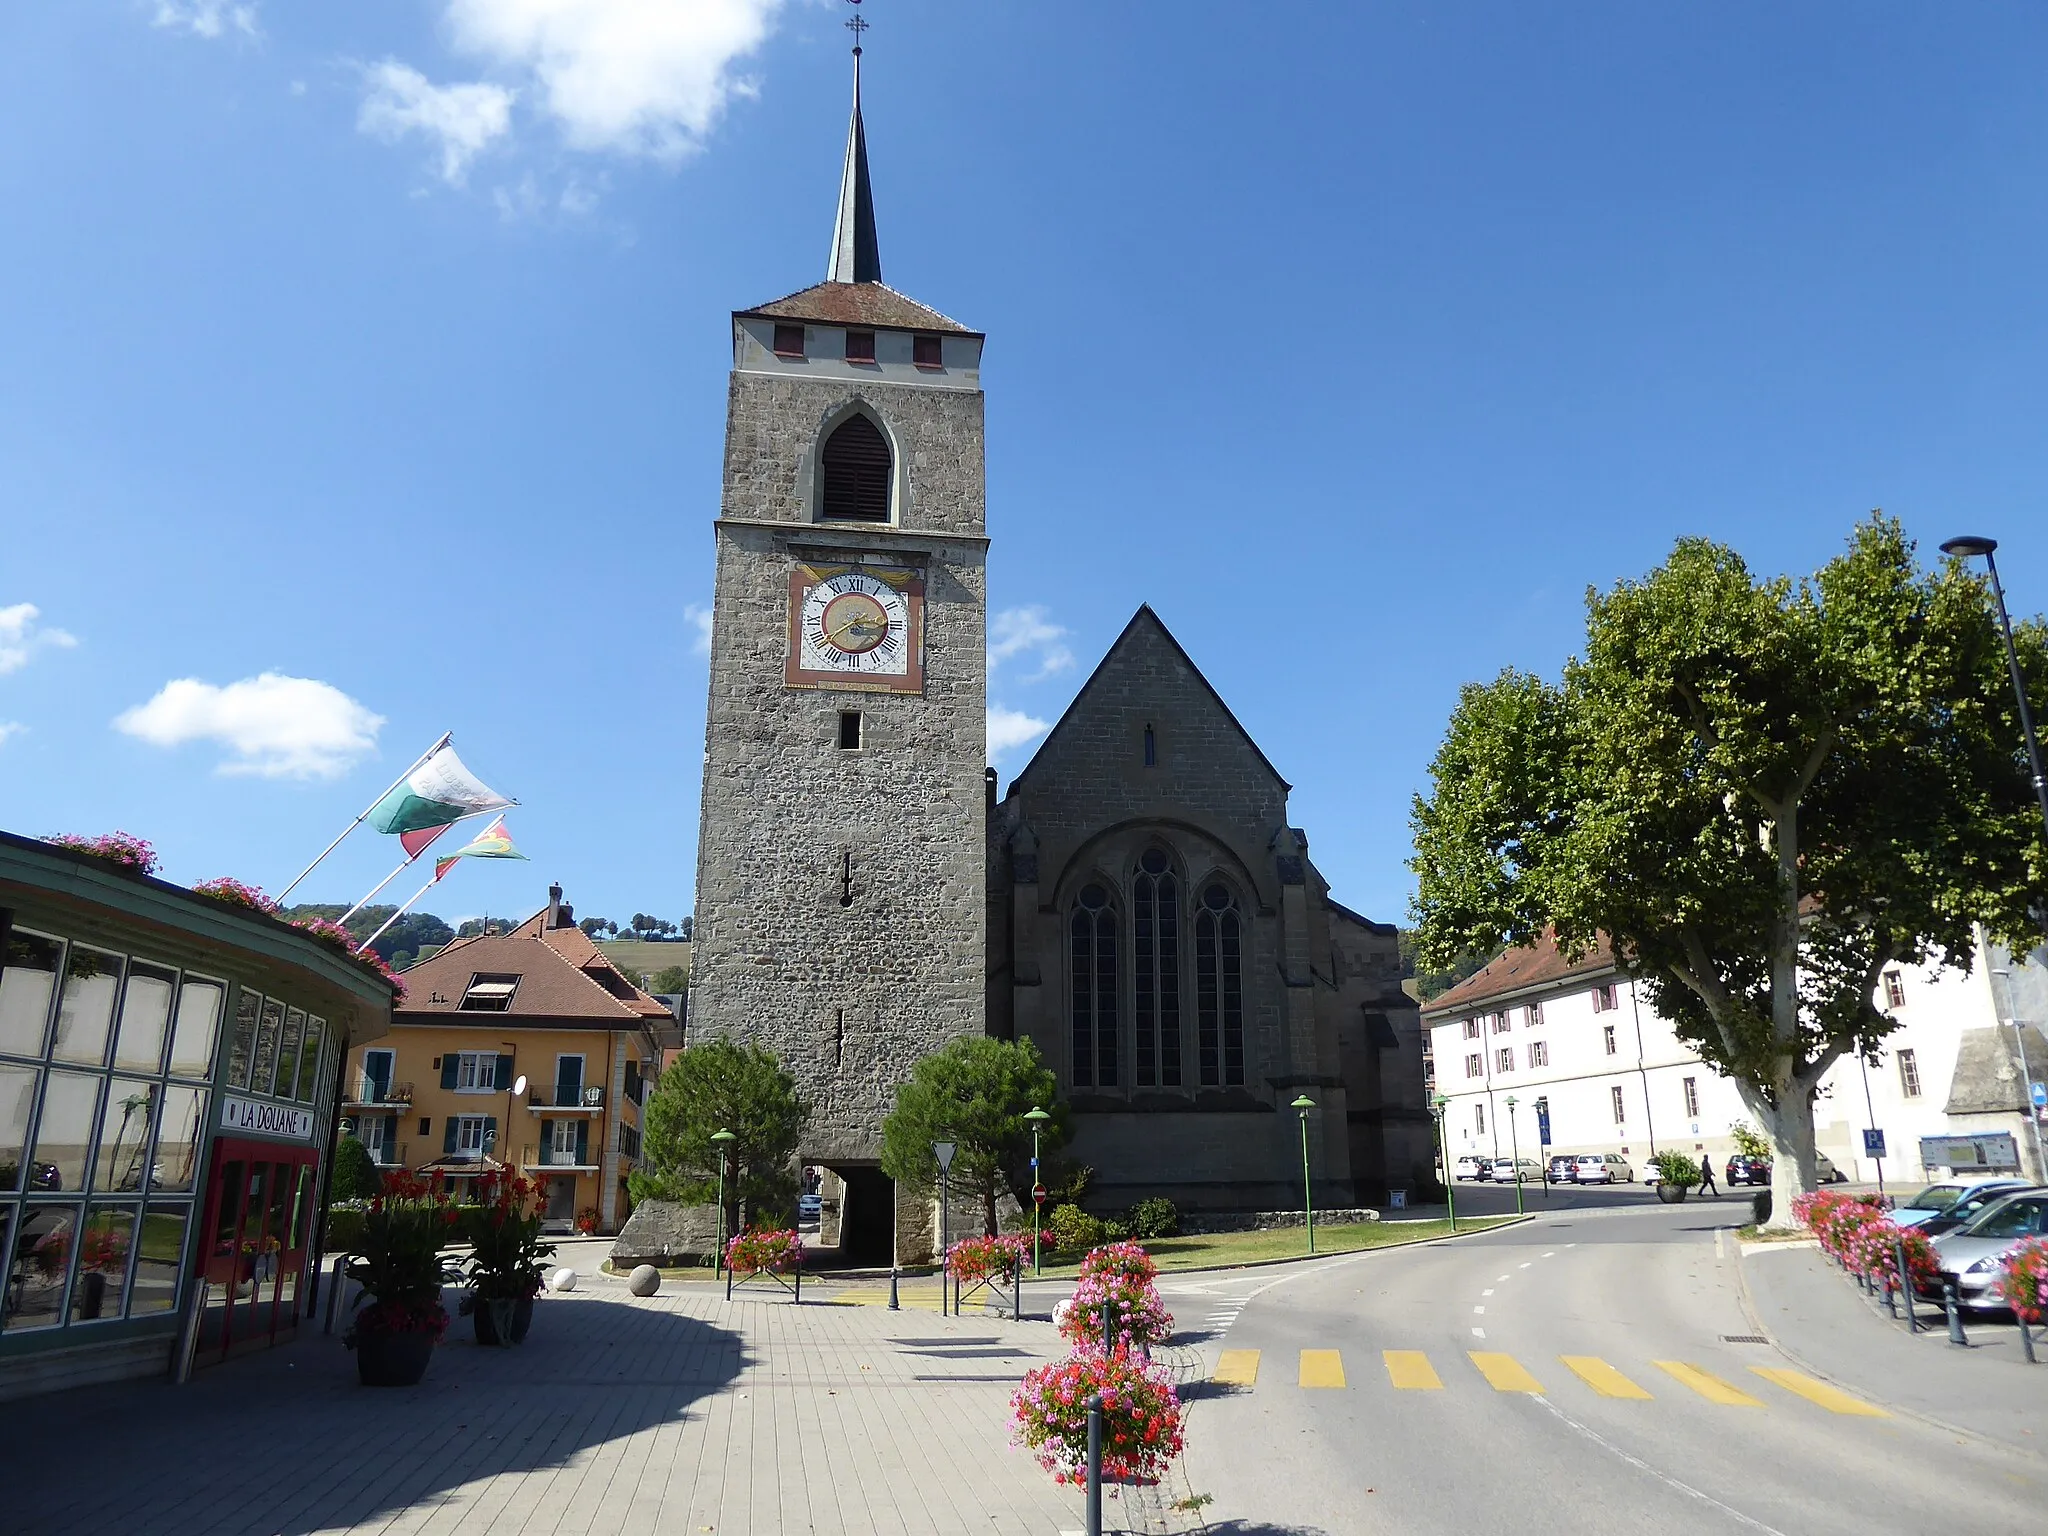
x=1950, y=1203
x=1972, y=1255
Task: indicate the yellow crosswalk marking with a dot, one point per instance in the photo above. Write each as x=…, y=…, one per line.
x=1831, y=1398
x=1410, y=1370
x=1505, y=1372
x=1708, y=1385
x=1322, y=1368
x=1236, y=1368
x=1603, y=1378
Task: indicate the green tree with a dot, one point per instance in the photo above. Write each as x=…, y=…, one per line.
x=723, y=1085
x=355, y=1174
x=670, y=978
x=410, y=933
x=975, y=1094
x=1765, y=792
x=597, y=927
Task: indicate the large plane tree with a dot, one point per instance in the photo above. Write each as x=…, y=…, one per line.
x=1765, y=792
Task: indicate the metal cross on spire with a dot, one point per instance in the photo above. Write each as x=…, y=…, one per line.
x=856, y=26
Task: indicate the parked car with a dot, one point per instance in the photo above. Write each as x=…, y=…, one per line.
x=1563, y=1168
x=1974, y=1199
x=1748, y=1170
x=1503, y=1170
x=1971, y=1256
x=1470, y=1168
x=809, y=1209
x=1602, y=1168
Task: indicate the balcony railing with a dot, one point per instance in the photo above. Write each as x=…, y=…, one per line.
x=367, y=1090
x=553, y=1157
x=392, y=1154
x=565, y=1096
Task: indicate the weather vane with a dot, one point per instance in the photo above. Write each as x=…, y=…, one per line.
x=856, y=27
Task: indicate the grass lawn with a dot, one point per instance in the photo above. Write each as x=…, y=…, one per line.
x=1225, y=1248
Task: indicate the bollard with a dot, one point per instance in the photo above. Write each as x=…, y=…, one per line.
x=1891, y=1299
x=1095, y=1466
x=894, y=1304
x=2026, y=1337
x=1955, y=1316
x=1906, y=1285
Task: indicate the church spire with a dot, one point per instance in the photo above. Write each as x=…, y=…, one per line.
x=856, y=252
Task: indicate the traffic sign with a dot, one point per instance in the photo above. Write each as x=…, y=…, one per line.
x=2041, y=1095
x=943, y=1151
x=1873, y=1143
x=1038, y=1194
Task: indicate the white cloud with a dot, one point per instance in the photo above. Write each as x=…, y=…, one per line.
x=276, y=727
x=1009, y=729
x=699, y=618
x=21, y=636
x=205, y=18
x=1016, y=631
x=10, y=728
x=462, y=119
x=645, y=77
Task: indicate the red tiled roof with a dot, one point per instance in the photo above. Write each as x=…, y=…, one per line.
x=874, y=304
x=1518, y=970
x=562, y=976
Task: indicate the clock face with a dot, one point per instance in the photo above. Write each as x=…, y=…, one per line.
x=857, y=627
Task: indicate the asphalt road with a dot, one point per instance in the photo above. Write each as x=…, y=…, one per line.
x=1585, y=1373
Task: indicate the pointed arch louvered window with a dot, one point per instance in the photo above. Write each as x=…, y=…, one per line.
x=1219, y=989
x=1155, y=960
x=857, y=472
x=1093, y=973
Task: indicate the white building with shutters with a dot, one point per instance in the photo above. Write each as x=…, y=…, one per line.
x=1535, y=1040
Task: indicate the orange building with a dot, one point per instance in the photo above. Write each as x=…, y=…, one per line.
x=526, y=1049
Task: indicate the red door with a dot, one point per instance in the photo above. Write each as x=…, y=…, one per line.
x=259, y=1213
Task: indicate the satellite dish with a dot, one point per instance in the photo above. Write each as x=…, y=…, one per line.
x=593, y=1095
x=519, y=1085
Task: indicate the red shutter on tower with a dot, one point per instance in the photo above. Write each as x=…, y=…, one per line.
x=789, y=341
x=860, y=346
x=924, y=351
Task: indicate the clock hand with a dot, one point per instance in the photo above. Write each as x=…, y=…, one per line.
x=859, y=618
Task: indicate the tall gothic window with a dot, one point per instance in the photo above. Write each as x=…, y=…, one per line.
x=1094, y=989
x=857, y=465
x=1155, y=956
x=1219, y=989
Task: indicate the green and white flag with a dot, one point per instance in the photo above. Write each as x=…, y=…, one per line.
x=438, y=791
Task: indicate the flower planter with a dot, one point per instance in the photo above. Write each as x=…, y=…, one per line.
x=1671, y=1194
x=393, y=1359
x=502, y=1322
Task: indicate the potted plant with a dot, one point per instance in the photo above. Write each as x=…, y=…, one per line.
x=1676, y=1174
x=506, y=1270
x=401, y=1269
x=1116, y=1280
x=1141, y=1417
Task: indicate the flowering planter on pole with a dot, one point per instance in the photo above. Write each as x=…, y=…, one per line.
x=977, y=1262
x=1117, y=1277
x=769, y=1255
x=1141, y=1417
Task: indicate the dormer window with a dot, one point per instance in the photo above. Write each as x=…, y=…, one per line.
x=789, y=341
x=860, y=346
x=488, y=994
x=924, y=351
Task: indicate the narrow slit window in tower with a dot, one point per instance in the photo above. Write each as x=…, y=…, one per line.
x=1151, y=749
x=849, y=730
x=846, y=878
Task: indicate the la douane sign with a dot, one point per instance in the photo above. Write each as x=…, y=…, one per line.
x=266, y=1119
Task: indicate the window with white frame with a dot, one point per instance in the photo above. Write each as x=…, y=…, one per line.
x=469, y=1136
x=1909, y=1074
x=476, y=1071
x=1607, y=1038
x=562, y=1143
x=488, y=994
x=1535, y=1015
x=1692, y=1098
x=1620, y=1113
x=1504, y=1059
x=1471, y=1029
x=1479, y=1118
x=1603, y=997
x=1894, y=990
x=1475, y=1066
x=1539, y=1053
x=1500, y=1023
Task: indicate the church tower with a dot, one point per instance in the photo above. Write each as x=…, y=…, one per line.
x=840, y=912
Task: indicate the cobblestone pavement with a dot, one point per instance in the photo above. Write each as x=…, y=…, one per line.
x=679, y=1413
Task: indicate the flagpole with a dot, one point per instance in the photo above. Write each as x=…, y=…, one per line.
x=446, y=737
x=407, y=864
x=394, y=917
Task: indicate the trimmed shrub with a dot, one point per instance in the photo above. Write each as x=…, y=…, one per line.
x=1157, y=1217
x=355, y=1172
x=1676, y=1168
x=1072, y=1229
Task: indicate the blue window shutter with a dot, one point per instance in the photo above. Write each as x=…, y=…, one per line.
x=583, y=1142
x=391, y=1139
x=448, y=1140
x=448, y=1066
x=504, y=1073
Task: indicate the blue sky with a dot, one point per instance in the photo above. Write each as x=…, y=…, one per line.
x=382, y=348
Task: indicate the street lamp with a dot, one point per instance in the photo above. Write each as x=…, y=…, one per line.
x=723, y=1139
x=1308, y=1201
x=1968, y=547
x=1036, y=1118
x=1443, y=1142
x=1515, y=1153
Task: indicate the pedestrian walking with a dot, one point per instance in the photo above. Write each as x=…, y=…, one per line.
x=1707, y=1177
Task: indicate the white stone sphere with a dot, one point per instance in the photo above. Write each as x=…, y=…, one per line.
x=563, y=1279
x=1062, y=1312
x=644, y=1281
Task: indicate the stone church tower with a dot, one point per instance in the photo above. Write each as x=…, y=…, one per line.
x=840, y=916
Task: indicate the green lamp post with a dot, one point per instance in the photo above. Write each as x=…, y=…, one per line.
x=1443, y=1142
x=723, y=1139
x=1036, y=1118
x=1308, y=1202
x=1514, y=1151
